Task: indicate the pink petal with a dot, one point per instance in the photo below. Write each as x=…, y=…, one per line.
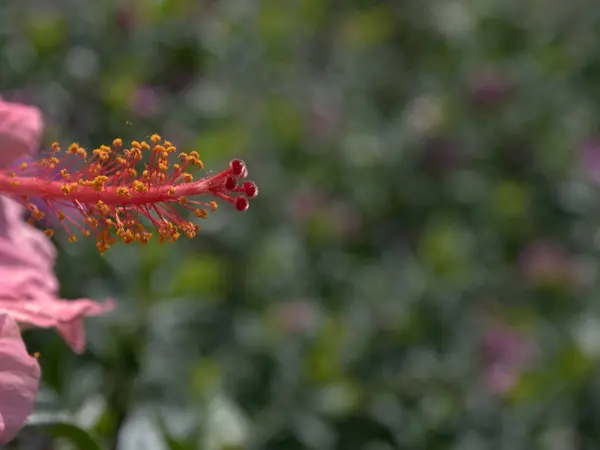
x=19, y=379
x=64, y=315
x=28, y=239
x=20, y=131
x=21, y=274
x=28, y=286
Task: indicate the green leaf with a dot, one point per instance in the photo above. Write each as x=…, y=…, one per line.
x=60, y=427
x=172, y=442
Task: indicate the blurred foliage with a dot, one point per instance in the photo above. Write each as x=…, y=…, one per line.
x=420, y=270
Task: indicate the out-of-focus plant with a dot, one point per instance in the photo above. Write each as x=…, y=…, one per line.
x=420, y=269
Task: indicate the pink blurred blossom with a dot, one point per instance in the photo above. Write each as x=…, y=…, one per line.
x=507, y=354
x=544, y=263
x=590, y=160
x=307, y=203
x=145, y=102
x=19, y=379
x=324, y=121
x=297, y=316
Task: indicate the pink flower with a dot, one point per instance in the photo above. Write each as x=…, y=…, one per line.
x=19, y=379
x=507, y=355
x=590, y=160
x=146, y=102
x=28, y=286
x=297, y=316
x=544, y=263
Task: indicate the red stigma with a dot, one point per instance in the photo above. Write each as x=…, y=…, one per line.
x=250, y=189
x=238, y=167
x=242, y=204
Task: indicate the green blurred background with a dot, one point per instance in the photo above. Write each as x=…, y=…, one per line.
x=420, y=269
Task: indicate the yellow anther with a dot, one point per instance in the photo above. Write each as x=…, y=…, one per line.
x=35, y=212
x=102, y=247
x=140, y=187
x=98, y=183
x=102, y=208
x=123, y=192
